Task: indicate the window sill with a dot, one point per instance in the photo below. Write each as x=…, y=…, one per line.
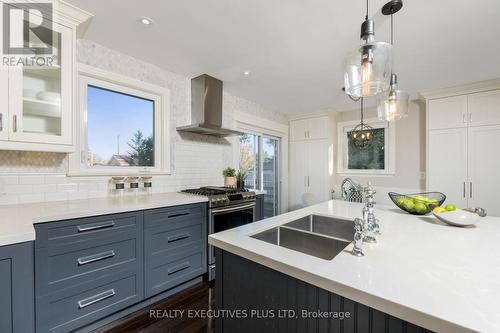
x=110, y=173
x=366, y=174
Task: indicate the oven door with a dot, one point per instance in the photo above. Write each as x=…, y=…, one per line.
x=224, y=218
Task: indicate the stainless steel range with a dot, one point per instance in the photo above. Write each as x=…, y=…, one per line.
x=227, y=208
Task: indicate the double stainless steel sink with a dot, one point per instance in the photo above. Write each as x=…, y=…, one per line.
x=320, y=236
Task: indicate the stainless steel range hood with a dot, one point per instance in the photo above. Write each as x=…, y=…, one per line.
x=206, y=108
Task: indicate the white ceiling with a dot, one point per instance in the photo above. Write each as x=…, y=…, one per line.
x=295, y=49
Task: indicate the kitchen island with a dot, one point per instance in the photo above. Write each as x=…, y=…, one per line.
x=421, y=275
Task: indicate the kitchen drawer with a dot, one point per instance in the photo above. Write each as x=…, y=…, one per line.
x=175, y=217
x=87, y=231
x=168, y=275
x=164, y=241
x=82, y=307
x=64, y=270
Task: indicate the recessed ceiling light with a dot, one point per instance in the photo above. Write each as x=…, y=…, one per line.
x=146, y=20
x=246, y=73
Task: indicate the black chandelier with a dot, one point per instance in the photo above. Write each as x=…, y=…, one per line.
x=362, y=135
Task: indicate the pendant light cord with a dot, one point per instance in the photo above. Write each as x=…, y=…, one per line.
x=392, y=29
x=362, y=106
x=366, y=17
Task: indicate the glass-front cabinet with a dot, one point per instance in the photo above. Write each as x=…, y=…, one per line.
x=40, y=96
x=37, y=82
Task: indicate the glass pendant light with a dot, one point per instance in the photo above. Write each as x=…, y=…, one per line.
x=392, y=105
x=368, y=69
x=362, y=135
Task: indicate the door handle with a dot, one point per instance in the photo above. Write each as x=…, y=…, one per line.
x=464, y=189
x=308, y=181
x=14, y=123
x=470, y=190
x=470, y=117
x=305, y=180
x=1, y=122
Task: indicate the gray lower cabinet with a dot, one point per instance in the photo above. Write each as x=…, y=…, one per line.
x=90, y=268
x=87, y=269
x=16, y=288
x=175, y=247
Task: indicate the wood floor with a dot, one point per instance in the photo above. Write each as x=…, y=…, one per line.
x=199, y=297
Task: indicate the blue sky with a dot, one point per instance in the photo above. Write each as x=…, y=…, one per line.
x=110, y=114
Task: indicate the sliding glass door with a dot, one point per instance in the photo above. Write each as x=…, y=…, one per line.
x=260, y=157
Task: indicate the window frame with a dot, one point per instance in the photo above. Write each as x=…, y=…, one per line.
x=91, y=76
x=389, y=148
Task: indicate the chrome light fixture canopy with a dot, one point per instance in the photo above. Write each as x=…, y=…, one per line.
x=363, y=134
x=368, y=69
x=393, y=105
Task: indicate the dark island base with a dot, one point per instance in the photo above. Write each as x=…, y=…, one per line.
x=264, y=295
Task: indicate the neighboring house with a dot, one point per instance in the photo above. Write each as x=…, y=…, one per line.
x=119, y=160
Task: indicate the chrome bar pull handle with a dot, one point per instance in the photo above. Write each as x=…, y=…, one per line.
x=14, y=123
x=464, y=190
x=96, y=257
x=464, y=120
x=97, y=298
x=470, y=117
x=1, y=122
x=470, y=190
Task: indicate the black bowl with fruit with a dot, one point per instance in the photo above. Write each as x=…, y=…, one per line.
x=418, y=203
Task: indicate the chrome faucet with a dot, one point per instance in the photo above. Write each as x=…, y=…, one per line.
x=359, y=235
x=371, y=222
x=366, y=228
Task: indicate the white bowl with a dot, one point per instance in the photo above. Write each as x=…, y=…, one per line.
x=458, y=218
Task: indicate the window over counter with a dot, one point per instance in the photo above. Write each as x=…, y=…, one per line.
x=377, y=158
x=123, y=125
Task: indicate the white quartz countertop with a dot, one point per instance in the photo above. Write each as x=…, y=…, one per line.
x=16, y=221
x=444, y=278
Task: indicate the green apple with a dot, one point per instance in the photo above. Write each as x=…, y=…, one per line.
x=421, y=208
x=450, y=207
x=409, y=205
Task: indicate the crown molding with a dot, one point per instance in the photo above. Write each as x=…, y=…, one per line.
x=63, y=13
x=465, y=89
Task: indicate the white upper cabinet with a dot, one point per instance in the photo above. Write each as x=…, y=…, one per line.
x=37, y=102
x=484, y=108
x=449, y=112
x=309, y=129
x=298, y=130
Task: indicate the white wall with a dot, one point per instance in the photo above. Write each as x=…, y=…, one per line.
x=196, y=160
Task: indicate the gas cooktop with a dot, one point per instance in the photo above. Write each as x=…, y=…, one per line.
x=223, y=196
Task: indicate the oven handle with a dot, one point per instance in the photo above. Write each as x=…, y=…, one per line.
x=232, y=209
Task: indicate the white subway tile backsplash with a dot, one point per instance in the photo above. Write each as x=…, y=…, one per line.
x=69, y=187
x=32, y=179
x=9, y=180
x=56, y=179
x=18, y=189
x=44, y=188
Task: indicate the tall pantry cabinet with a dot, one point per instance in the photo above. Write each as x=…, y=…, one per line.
x=310, y=157
x=463, y=155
